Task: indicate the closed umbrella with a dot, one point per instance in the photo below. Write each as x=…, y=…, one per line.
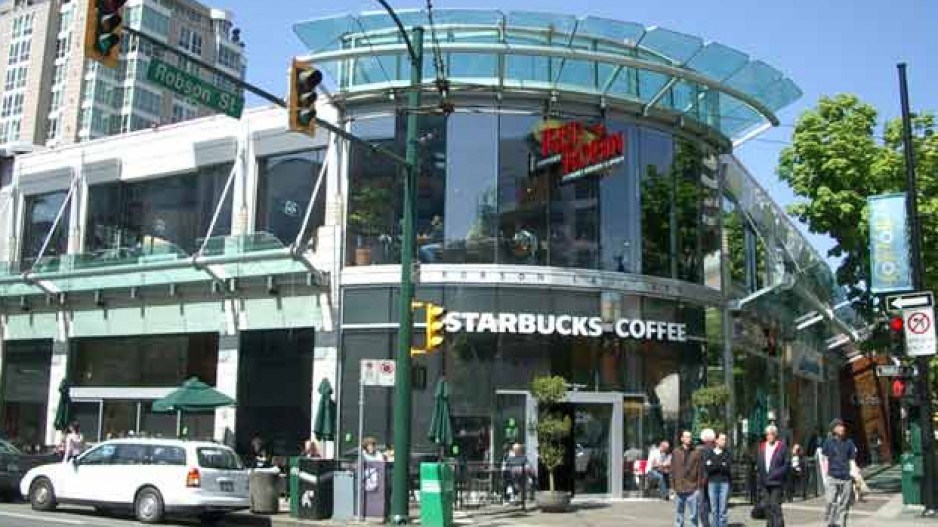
x=193, y=396
x=758, y=419
x=324, y=425
x=61, y=412
x=441, y=425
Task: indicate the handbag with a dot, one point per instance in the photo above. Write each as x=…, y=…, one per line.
x=758, y=511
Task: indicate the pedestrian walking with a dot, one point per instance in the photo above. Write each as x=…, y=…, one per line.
x=840, y=453
x=686, y=477
x=659, y=467
x=74, y=442
x=772, y=469
x=718, y=468
x=707, y=439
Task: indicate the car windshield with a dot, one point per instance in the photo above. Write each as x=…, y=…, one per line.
x=217, y=457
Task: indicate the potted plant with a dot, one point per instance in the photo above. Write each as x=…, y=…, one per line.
x=553, y=428
x=368, y=218
x=709, y=405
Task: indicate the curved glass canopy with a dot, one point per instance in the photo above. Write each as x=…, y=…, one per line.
x=655, y=68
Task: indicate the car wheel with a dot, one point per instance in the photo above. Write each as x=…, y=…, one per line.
x=41, y=495
x=148, y=507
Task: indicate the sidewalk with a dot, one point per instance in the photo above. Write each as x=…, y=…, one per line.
x=878, y=509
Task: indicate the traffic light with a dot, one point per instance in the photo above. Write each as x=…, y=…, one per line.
x=103, y=27
x=896, y=328
x=433, y=316
x=304, y=79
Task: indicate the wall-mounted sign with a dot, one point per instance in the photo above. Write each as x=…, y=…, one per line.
x=566, y=325
x=580, y=150
x=889, y=244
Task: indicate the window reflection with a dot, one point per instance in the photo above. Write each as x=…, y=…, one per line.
x=655, y=158
x=156, y=216
x=152, y=360
x=284, y=186
x=41, y=211
x=523, y=200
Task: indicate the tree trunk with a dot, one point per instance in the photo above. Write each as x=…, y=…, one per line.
x=550, y=478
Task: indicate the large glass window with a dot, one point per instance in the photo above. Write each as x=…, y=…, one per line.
x=40, y=214
x=284, y=186
x=471, y=183
x=153, y=360
x=493, y=190
x=157, y=215
x=25, y=391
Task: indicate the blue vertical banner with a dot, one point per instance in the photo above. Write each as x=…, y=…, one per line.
x=889, y=244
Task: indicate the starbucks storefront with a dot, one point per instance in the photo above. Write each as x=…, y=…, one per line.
x=631, y=362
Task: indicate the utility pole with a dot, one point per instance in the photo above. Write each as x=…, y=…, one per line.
x=918, y=279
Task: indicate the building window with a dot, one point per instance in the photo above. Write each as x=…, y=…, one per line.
x=56, y=100
x=9, y=130
x=25, y=391
x=58, y=73
x=285, y=184
x=54, y=124
x=62, y=46
x=161, y=215
x=229, y=58
x=190, y=40
x=41, y=211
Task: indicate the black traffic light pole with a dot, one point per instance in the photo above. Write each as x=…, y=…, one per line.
x=267, y=96
x=922, y=388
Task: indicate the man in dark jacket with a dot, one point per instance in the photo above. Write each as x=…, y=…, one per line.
x=686, y=477
x=772, y=464
x=840, y=453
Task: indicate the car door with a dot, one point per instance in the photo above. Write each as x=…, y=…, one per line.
x=80, y=479
x=126, y=474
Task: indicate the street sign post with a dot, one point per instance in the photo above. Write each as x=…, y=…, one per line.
x=194, y=88
x=895, y=370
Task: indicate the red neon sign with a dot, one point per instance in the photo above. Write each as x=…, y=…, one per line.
x=581, y=148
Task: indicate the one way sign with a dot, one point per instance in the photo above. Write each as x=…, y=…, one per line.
x=910, y=300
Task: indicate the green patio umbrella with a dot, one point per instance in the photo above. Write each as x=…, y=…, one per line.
x=441, y=425
x=61, y=412
x=324, y=425
x=758, y=418
x=193, y=396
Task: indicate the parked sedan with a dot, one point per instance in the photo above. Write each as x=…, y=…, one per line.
x=151, y=477
x=14, y=463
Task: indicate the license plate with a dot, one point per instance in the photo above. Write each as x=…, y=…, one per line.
x=226, y=486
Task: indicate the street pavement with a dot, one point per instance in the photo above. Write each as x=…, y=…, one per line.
x=883, y=507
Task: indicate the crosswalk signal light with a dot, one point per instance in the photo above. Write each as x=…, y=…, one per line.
x=435, y=316
x=103, y=28
x=304, y=79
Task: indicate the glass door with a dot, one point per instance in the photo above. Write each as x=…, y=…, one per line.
x=591, y=438
x=511, y=412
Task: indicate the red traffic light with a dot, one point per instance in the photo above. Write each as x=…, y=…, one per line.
x=898, y=388
x=896, y=324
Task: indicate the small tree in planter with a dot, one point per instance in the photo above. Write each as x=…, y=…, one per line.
x=710, y=408
x=553, y=428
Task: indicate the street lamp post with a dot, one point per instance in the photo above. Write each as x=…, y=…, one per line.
x=400, y=477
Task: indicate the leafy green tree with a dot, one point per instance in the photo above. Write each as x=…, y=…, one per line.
x=837, y=159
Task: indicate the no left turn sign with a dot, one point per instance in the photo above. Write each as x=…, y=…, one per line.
x=919, y=331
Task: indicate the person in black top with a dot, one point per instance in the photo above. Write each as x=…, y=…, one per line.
x=840, y=452
x=717, y=467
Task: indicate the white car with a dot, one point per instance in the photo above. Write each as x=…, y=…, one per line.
x=151, y=476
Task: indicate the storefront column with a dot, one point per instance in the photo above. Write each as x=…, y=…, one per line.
x=58, y=369
x=226, y=381
x=325, y=366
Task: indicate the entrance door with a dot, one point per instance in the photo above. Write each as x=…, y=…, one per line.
x=514, y=411
x=597, y=442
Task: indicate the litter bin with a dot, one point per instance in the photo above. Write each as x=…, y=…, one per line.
x=912, y=472
x=437, y=493
x=311, y=488
x=262, y=486
x=373, y=485
x=343, y=491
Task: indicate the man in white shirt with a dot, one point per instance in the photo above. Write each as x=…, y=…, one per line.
x=659, y=466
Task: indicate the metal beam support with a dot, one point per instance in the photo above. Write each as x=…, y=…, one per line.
x=657, y=97
x=297, y=243
x=73, y=184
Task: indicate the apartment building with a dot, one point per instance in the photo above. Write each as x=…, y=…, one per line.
x=52, y=95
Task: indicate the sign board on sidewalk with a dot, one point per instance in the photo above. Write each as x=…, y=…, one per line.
x=194, y=88
x=376, y=372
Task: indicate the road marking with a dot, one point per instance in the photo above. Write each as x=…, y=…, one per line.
x=36, y=518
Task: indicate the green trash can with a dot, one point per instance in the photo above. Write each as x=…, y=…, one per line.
x=912, y=472
x=437, y=493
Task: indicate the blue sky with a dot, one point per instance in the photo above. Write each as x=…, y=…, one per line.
x=826, y=46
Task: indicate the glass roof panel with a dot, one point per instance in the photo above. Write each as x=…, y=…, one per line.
x=678, y=47
x=619, y=46
x=718, y=61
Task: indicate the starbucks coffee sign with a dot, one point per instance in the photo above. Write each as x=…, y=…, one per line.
x=566, y=325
